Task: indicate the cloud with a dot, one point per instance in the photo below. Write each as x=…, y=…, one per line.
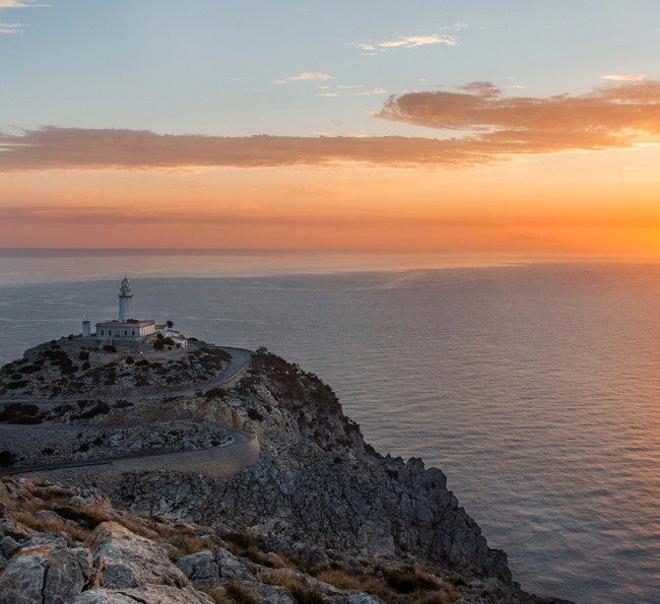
x=615, y=116
x=354, y=90
x=305, y=76
x=490, y=126
x=11, y=28
x=20, y=4
x=70, y=148
x=622, y=77
x=408, y=42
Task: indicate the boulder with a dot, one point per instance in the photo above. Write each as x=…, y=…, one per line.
x=123, y=559
x=69, y=570
x=8, y=546
x=231, y=566
x=45, y=573
x=201, y=568
x=148, y=594
x=23, y=578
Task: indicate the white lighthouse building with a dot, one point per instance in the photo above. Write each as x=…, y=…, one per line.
x=125, y=298
x=125, y=327
x=127, y=332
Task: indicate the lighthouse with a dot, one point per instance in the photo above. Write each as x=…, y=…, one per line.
x=132, y=333
x=125, y=297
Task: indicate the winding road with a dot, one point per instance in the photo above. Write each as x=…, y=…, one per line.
x=242, y=450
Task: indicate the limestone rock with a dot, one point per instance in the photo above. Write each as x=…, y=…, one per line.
x=201, y=568
x=231, y=566
x=148, y=594
x=46, y=573
x=123, y=559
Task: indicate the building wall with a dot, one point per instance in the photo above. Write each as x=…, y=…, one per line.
x=128, y=331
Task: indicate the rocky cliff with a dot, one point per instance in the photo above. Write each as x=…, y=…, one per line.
x=321, y=517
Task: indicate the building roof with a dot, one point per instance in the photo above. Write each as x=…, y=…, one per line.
x=129, y=323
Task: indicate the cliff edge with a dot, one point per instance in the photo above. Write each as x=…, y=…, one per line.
x=321, y=516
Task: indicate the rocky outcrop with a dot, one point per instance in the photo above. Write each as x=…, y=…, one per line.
x=318, y=490
x=112, y=564
x=322, y=517
x=124, y=559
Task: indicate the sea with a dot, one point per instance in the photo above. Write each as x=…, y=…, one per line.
x=533, y=384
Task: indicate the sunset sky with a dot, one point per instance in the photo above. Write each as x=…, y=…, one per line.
x=433, y=126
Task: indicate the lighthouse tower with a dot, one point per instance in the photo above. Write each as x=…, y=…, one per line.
x=125, y=297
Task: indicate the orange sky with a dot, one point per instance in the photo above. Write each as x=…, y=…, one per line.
x=557, y=175
x=596, y=202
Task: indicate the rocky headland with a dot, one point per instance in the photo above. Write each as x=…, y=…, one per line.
x=320, y=516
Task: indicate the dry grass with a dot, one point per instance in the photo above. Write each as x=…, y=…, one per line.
x=239, y=593
x=136, y=525
x=183, y=539
x=405, y=584
x=245, y=545
x=303, y=593
x=51, y=525
x=360, y=582
x=218, y=595
x=88, y=516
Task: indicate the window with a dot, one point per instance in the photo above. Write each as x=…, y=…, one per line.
x=133, y=332
x=102, y=333
x=125, y=332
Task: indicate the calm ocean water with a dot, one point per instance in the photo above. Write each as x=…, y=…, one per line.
x=536, y=388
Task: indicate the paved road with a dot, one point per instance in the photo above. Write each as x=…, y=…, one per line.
x=225, y=459
x=240, y=361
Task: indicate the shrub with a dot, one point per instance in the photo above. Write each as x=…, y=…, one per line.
x=84, y=355
x=255, y=415
x=7, y=458
x=407, y=579
x=158, y=344
x=110, y=348
x=215, y=392
x=130, y=360
x=16, y=385
x=98, y=409
x=85, y=366
x=458, y=580
x=18, y=413
x=242, y=540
